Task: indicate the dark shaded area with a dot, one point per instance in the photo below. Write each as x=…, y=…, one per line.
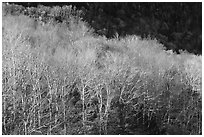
x=176, y=25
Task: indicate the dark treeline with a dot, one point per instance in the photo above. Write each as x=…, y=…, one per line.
x=176, y=25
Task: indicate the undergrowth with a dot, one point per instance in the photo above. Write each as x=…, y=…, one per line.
x=60, y=78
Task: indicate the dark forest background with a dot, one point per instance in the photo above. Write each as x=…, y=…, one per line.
x=177, y=25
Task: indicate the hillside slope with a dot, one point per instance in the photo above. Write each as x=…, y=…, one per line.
x=60, y=78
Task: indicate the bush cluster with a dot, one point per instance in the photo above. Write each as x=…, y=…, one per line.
x=44, y=13
x=60, y=78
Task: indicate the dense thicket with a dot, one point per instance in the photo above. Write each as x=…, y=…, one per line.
x=59, y=78
x=177, y=25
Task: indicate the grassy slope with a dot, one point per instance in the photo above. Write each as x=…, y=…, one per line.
x=60, y=79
